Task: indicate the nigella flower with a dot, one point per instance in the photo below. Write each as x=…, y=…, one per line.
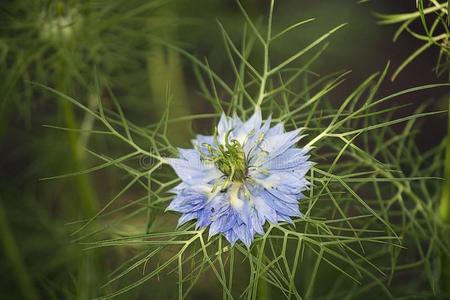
x=247, y=173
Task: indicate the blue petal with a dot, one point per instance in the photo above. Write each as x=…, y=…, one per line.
x=187, y=217
x=193, y=172
x=266, y=126
x=284, y=182
x=302, y=170
x=231, y=236
x=243, y=212
x=224, y=126
x=237, y=122
x=276, y=130
x=257, y=222
x=204, y=218
x=286, y=198
x=255, y=120
x=179, y=188
x=292, y=158
x=222, y=224
x=249, y=130
x=251, y=146
x=244, y=233
x=219, y=205
x=200, y=140
x=284, y=218
x=264, y=210
x=189, y=155
x=282, y=207
x=187, y=202
x=277, y=144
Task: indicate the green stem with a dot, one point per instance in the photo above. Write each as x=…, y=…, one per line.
x=444, y=210
x=88, y=200
x=12, y=254
x=263, y=290
x=87, y=196
x=88, y=266
x=262, y=286
x=444, y=213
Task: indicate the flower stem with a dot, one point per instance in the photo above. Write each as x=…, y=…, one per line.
x=263, y=290
x=88, y=266
x=87, y=197
x=444, y=212
x=13, y=256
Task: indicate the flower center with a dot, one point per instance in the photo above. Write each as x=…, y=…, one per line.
x=231, y=162
x=229, y=159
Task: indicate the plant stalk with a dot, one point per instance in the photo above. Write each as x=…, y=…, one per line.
x=88, y=267
x=444, y=212
x=263, y=290
x=12, y=255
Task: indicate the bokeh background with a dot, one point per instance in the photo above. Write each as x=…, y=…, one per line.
x=115, y=41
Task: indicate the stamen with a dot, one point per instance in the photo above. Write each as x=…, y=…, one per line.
x=229, y=158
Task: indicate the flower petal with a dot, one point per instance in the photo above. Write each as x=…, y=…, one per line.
x=193, y=172
x=187, y=201
x=277, y=144
x=244, y=233
x=276, y=172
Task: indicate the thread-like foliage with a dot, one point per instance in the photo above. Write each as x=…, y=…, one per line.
x=372, y=193
x=434, y=20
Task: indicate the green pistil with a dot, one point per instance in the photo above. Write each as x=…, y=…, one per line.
x=229, y=159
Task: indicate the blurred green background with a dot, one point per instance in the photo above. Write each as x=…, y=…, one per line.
x=84, y=48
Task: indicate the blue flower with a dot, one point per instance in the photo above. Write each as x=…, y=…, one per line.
x=245, y=174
